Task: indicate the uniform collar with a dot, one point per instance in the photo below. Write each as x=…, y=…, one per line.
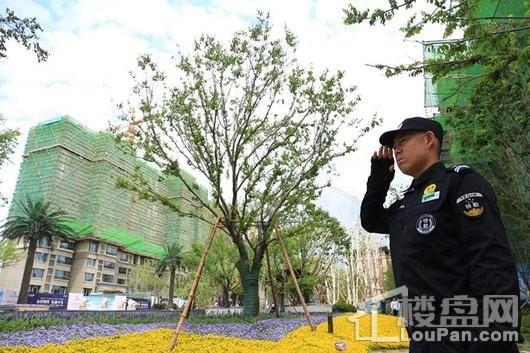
x=427, y=174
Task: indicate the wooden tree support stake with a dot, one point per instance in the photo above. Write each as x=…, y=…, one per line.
x=298, y=291
x=273, y=291
x=184, y=314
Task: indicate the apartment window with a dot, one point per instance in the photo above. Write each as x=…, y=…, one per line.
x=58, y=290
x=111, y=250
x=60, y=274
x=135, y=260
x=107, y=278
x=43, y=242
x=93, y=248
x=124, y=257
x=90, y=262
x=41, y=257
x=65, y=244
x=65, y=260
x=37, y=272
x=121, y=281
x=89, y=277
x=109, y=265
x=122, y=270
x=87, y=291
x=34, y=289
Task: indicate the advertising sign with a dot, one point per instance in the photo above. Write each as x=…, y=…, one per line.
x=54, y=301
x=8, y=296
x=74, y=301
x=142, y=304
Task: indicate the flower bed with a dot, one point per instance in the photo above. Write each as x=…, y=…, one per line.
x=155, y=340
x=272, y=329
x=25, y=321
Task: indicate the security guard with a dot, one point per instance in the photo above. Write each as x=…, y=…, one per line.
x=446, y=235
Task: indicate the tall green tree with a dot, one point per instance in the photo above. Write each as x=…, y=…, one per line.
x=172, y=260
x=478, y=26
x=262, y=129
x=8, y=142
x=32, y=221
x=22, y=30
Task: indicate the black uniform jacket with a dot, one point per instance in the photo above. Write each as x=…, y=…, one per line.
x=446, y=239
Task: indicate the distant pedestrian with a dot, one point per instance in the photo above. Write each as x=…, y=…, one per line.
x=394, y=306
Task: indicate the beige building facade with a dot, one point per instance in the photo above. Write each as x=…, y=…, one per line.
x=86, y=266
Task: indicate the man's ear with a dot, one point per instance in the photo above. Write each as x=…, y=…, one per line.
x=430, y=139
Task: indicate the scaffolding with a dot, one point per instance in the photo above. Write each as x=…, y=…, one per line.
x=76, y=170
x=454, y=89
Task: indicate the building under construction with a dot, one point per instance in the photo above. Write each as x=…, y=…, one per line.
x=454, y=89
x=76, y=170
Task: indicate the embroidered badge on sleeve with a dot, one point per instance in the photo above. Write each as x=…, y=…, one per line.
x=471, y=204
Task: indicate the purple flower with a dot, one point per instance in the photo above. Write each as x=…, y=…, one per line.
x=272, y=329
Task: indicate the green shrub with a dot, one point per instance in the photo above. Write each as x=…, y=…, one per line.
x=344, y=307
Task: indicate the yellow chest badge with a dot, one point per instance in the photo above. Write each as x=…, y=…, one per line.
x=429, y=189
x=430, y=193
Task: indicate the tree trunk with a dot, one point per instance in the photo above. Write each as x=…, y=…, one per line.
x=171, y=286
x=281, y=301
x=26, y=277
x=307, y=293
x=250, y=283
x=226, y=298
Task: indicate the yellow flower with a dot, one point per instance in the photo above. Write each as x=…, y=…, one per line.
x=302, y=340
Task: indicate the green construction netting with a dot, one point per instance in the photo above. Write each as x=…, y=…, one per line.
x=81, y=230
x=129, y=242
x=454, y=89
x=77, y=170
x=500, y=8
x=116, y=235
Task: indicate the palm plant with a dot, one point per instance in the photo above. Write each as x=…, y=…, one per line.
x=34, y=220
x=173, y=260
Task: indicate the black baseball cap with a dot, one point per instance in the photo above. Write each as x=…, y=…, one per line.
x=413, y=124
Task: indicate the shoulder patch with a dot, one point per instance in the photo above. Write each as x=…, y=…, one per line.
x=460, y=169
x=471, y=204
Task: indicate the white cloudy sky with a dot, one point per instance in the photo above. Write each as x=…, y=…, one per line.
x=93, y=45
